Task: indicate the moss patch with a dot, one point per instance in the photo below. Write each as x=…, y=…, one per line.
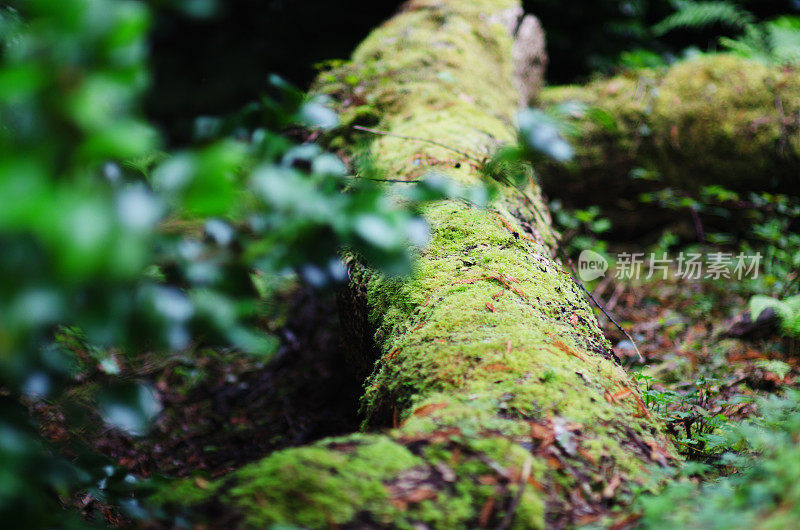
x=321, y=485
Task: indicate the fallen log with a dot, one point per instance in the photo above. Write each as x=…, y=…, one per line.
x=495, y=400
x=716, y=119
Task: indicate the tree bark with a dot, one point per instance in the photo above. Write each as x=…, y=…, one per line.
x=507, y=405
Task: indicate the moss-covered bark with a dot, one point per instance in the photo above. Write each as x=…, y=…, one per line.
x=716, y=119
x=508, y=406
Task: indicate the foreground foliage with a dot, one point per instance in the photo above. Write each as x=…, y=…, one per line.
x=762, y=492
x=125, y=248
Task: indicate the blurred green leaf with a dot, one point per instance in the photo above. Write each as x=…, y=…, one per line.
x=540, y=134
x=130, y=407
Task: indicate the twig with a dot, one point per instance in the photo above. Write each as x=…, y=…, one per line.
x=494, y=466
x=523, y=479
x=600, y=289
x=418, y=139
x=386, y=180
x=566, y=257
x=600, y=307
x=612, y=302
x=698, y=225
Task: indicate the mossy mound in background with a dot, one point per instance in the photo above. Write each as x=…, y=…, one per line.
x=716, y=119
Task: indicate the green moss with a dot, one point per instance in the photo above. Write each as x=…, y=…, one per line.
x=184, y=492
x=487, y=313
x=475, y=285
x=713, y=119
x=370, y=477
x=316, y=486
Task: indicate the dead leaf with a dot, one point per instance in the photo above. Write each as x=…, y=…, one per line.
x=611, y=487
x=563, y=436
x=643, y=410
x=554, y=462
x=425, y=410
x=444, y=435
x=569, y=351
x=496, y=367
x=542, y=433
x=486, y=512
x=626, y=522
x=535, y=484
x=448, y=475
x=625, y=392
x=421, y=494
x=585, y=454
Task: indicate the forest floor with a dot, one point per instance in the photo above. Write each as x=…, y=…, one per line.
x=704, y=363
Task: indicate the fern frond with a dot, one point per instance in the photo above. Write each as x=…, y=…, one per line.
x=776, y=42
x=784, y=36
x=702, y=14
x=753, y=44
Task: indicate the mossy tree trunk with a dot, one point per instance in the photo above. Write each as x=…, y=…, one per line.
x=508, y=406
x=717, y=119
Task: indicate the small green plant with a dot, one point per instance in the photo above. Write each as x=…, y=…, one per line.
x=779, y=368
x=696, y=15
x=781, y=249
x=693, y=428
x=774, y=41
x=581, y=228
x=788, y=310
x=759, y=489
x=770, y=232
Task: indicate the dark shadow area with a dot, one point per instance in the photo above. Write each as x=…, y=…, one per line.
x=216, y=65
x=222, y=410
x=244, y=411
